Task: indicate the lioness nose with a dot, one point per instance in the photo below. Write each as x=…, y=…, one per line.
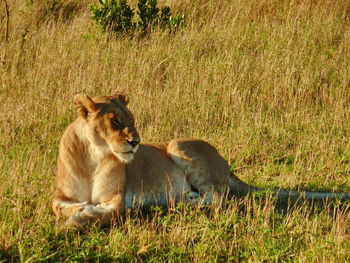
x=133, y=143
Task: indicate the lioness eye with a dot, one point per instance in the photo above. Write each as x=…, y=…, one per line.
x=116, y=122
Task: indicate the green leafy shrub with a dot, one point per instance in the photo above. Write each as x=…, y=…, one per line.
x=114, y=15
x=175, y=21
x=118, y=17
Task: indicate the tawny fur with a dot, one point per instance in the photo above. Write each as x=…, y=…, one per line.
x=102, y=169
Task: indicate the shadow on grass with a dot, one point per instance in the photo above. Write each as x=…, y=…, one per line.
x=9, y=255
x=92, y=244
x=242, y=206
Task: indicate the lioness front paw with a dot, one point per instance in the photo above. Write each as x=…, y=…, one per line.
x=88, y=214
x=74, y=222
x=93, y=211
x=71, y=209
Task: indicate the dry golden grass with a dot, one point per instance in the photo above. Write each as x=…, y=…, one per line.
x=267, y=82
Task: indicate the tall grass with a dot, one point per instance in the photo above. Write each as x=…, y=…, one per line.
x=267, y=82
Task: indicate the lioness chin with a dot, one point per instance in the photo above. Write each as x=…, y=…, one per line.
x=102, y=168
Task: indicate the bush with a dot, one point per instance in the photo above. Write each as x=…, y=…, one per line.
x=118, y=17
x=115, y=16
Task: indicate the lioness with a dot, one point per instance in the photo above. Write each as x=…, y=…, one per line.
x=102, y=167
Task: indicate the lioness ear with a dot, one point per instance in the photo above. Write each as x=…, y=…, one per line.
x=122, y=97
x=85, y=105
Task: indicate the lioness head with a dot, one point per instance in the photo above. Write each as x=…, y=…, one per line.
x=110, y=125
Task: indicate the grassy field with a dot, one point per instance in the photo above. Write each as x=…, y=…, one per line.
x=266, y=82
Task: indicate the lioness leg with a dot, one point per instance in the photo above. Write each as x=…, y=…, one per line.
x=67, y=208
x=102, y=214
x=78, y=213
x=187, y=155
x=104, y=197
x=108, y=190
x=64, y=206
